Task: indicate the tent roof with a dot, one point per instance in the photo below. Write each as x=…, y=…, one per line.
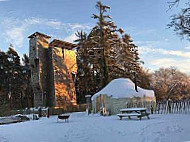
x=123, y=88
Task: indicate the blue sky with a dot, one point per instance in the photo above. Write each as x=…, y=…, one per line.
x=144, y=20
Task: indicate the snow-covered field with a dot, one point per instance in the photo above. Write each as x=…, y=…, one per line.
x=95, y=128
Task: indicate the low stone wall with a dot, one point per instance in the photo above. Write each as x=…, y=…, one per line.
x=75, y=108
x=44, y=111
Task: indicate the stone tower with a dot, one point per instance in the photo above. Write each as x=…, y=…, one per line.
x=65, y=68
x=53, y=67
x=41, y=70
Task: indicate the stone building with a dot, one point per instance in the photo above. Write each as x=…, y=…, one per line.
x=53, y=67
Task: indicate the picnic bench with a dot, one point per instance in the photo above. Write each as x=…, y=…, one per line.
x=63, y=117
x=129, y=112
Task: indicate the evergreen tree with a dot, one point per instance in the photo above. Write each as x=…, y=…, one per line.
x=105, y=37
x=14, y=78
x=27, y=91
x=83, y=79
x=106, y=53
x=126, y=56
x=4, y=68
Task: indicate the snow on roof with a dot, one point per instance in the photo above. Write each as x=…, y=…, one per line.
x=123, y=88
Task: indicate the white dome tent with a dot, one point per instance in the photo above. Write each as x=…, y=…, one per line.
x=120, y=93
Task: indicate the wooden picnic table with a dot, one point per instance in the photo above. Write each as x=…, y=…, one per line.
x=128, y=112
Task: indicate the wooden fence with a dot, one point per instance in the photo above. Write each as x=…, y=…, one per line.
x=172, y=107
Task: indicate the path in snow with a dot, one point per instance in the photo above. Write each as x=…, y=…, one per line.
x=94, y=128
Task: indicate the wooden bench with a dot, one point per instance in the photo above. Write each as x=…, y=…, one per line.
x=139, y=112
x=63, y=117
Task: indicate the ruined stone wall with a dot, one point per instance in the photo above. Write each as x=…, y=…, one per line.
x=64, y=63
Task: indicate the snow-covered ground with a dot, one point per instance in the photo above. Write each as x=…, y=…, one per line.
x=95, y=128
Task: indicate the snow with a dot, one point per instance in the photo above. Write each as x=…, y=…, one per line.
x=124, y=88
x=128, y=114
x=133, y=109
x=95, y=128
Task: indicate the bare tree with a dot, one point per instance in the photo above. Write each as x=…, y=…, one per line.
x=181, y=22
x=169, y=83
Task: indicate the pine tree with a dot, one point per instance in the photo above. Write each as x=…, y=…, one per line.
x=106, y=53
x=105, y=37
x=126, y=56
x=14, y=77
x=84, y=82
x=27, y=91
x=4, y=68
